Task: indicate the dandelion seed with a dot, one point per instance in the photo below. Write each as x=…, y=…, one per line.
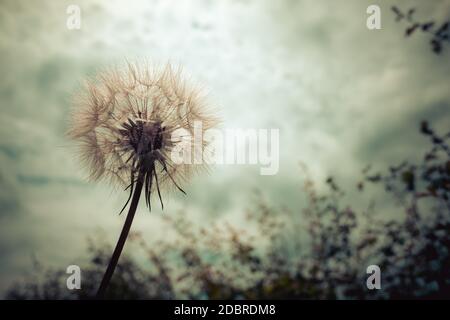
x=123, y=122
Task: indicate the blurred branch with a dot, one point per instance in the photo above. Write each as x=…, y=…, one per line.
x=440, y=32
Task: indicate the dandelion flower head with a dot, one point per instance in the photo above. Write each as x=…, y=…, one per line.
x=123, y=121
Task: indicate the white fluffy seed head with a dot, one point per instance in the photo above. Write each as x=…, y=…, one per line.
x=123, y=121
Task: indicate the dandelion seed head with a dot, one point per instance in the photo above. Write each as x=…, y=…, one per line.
x=123, y=122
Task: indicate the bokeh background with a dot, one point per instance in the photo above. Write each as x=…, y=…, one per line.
x=342, y=96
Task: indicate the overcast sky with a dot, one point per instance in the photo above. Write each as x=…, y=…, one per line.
x=342, y=96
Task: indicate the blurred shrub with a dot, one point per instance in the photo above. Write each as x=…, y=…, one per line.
x=269, y=257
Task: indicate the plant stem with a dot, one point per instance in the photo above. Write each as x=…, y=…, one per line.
x=122, y=238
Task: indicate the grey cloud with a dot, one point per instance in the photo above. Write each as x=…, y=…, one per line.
x=341, y=95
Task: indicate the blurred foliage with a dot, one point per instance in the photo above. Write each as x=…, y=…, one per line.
x=321, y=252
x=440, y=32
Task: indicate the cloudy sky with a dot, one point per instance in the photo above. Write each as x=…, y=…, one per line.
x=342, y=96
